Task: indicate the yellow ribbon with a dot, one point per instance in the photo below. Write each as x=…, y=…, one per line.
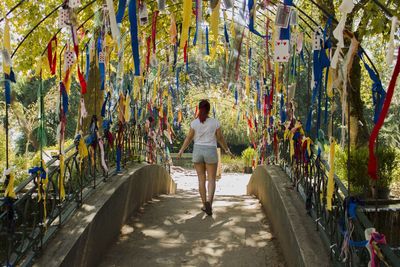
x=331, y=182
x=82, y=149
x=61, y=180
x=291, y=145
x=7, y=47
x=214, y=25
x=186, y=16
x=330, y=83
x=127, y=108
x=247, y=85
x=10, y=187
x=169, y=108
x=121, y=107
x=179, y=116
x=277, y=85
x=172, y=30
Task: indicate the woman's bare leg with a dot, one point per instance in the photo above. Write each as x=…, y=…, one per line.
x=211, y=174
x=201, y=173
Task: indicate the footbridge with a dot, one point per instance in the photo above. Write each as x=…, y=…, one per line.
x=149, y=215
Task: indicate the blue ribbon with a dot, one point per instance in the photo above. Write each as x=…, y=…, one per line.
x=197, y=26
x=103, y=107
x=236, y=96
x=7, y=85
x=121, y=10
x=172, y=92
x=378, y=93
x=207, y=48
x=87, y=63
x=102, y=66
x=36, y=169
x=64, y=98
x=177, y=78
x=282, y=110
x=175, y=55
x=119, y=154
x=250, y=5
x=258, y=95
x=226, y=34
x=134, y=35
x=285, y=32
x=320, y=61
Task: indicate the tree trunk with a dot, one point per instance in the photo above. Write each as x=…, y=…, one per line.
x=358, y=126
x=93, y=98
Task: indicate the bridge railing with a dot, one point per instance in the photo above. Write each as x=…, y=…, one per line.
x=27, y=222
x=309, y=177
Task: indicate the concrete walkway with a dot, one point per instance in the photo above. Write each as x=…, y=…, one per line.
x=173, y=231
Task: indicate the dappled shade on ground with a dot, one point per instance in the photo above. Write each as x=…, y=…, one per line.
x=172, y=231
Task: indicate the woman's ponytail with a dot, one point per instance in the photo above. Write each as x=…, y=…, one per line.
x=204, y=110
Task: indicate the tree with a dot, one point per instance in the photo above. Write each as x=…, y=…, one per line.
x=365, y=21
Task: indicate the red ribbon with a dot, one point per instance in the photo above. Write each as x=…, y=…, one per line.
x=271, y=94
x=267, y=47
x=185, y=52
x=372, y=163
x=82, y=80
x=148, y=42
x=154, y=29
x=52, y=59
x=378, y=239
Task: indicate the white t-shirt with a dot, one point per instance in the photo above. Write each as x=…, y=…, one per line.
x=204, y=133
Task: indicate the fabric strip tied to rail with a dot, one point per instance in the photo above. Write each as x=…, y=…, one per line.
x=331, y=181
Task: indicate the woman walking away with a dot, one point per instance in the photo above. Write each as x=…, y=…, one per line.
x=205, y=132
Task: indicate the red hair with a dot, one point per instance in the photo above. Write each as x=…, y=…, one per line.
x=204, y=110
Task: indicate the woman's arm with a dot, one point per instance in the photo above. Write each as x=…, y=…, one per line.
x=221, y=141
x=187, y=141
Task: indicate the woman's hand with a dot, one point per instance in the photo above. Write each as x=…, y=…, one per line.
x=180, y=154
x=228, y=151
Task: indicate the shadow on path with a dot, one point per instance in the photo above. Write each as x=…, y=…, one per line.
x=173, y=231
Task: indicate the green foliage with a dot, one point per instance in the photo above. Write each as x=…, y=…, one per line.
x=248, y=155
x=388, y=165
x=360, y=182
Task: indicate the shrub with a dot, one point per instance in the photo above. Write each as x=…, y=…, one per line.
x=248, y=155
x=360, y=182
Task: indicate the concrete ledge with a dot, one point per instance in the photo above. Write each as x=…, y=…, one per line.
x=300, y=242
x=85, y=238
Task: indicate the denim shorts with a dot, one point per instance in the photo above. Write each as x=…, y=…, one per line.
x=205, y=154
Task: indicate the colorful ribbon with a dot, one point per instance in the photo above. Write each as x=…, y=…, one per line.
x=372, y=164
x=134, y=34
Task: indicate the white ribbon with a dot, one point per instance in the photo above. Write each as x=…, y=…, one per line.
x=161, y=5
x=103, y=161
x=390, y=52
x=346, y=6
x=83, y=111
x=113, y=21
